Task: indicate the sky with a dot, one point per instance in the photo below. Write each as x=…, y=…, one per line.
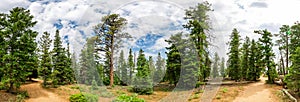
x=150, y=22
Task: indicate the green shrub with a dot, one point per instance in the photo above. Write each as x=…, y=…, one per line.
x=78, y=98
x=91, y=97
x=198, y=84
x=94, y=85
x=24, y=94
x=126, y=98
x=143, y=89
x=83, y=97
x=224, y=90
x=75, y=87
x=20, y=98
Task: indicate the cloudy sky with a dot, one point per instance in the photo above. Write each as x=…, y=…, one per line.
x=150, y=22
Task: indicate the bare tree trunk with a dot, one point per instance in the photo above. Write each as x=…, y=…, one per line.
x=111, y=62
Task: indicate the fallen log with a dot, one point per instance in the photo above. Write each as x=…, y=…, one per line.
x=289, y=95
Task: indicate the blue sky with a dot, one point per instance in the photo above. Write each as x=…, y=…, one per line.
x=151, y=22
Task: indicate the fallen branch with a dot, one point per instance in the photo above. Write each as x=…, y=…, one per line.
x=289, y=95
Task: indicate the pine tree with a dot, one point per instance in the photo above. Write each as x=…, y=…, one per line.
x=215, y=70
x=46, y=65
x=180, y=63
x=268, y=54
x=282, y=45
x=123, y=68
x=131, y=66
x=19, y=47
x=293, y=79
x=61, y=63
x=70, y=73
x=151, y=67
x=74, y=66
x=174, y=60
x=2, y=44
x=159, y=73
x=197, y=24
x=110, y=36
x=234, y=61
x=245, y=59
x=294, y=37
x=143, y=82
x=222, y=68
x=88, y=67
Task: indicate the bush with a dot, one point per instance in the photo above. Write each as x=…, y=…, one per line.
x=94, y=85
x=126, y=98
x=198, y=84
x=141, y=89
x=91, y=97
x=23, y=94
x=77, y=98
x=83, y=97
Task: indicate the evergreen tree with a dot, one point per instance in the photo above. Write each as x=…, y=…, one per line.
x=88, y=67
x=19, y=47
x=74, y=66
x=197, y=24
x=234, y=61
x=46, y=65
x=159, y=72
x=245, y=59
x=2, y=44
x=293, y=79
x=70, y=72
x=61, y=63
x=294, y=37
x=130, y=65
x=215, y=70
x=268, y=54
x=222, y=68
x=142, y=82
x=110, y=36
x=123, y=68
x=174, y=60
x=282, y=45
x=151, y=68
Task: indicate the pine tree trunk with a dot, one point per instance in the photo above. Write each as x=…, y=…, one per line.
x=111, y=62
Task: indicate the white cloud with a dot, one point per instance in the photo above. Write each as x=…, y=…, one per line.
x=151, y=16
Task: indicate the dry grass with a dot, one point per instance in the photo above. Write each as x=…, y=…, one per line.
x=229, y=95
x=7, y=97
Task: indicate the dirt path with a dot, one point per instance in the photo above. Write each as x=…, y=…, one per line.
x=256, y=92
x=39, y=94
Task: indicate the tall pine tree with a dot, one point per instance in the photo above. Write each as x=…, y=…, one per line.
x=197, y=25
x=268, y=54
x=131, y=66
x=293, y=79
x=46, y=62
x=61, y=63
x=215, y=70
x=245, y=59
x=19, y=47
x=110, y=35
x=234, y=56
x=159, y=71
x=143, y=82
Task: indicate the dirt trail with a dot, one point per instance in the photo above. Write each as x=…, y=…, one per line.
x=256, y=92
x=39, y=94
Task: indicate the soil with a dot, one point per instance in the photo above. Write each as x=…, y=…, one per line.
x=39, y=94
x=259, y=92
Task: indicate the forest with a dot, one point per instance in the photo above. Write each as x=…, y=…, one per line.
x=102, y=72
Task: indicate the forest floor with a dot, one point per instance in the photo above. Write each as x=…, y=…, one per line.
x=257, y=91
